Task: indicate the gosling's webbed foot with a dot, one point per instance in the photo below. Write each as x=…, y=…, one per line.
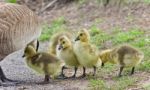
x=84, y=73
x=8, y=82
x=119, y=76
x=61, y=76
x=43, y=82
x=4, y=84
x=46, y=80
x=94, y=68
x=83, y=76
x=72, y=77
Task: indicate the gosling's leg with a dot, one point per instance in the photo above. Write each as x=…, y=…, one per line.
x=5, y=81
x=121, y=69
x=106, y=3
x=46, y=79
x=84, y=73
x=103, y=64
x=132, y=71
x=94, y=68
x=75, y=71
x=62, y=76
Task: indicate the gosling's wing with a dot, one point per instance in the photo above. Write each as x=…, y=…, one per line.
x=36, y=58
x=90, y=48
x=47, y=58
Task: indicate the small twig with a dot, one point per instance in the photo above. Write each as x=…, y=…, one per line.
x=48, y=5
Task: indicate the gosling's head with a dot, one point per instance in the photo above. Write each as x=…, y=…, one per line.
x=63, y=42
x=83, y=36
x=29, y=51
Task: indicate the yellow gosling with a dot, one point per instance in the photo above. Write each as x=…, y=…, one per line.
x=124, y=56
x=86, y=53
x=43, y=63
x=65, y=52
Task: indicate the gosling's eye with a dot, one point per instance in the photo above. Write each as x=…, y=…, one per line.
x=81, y=34
x=63, y=42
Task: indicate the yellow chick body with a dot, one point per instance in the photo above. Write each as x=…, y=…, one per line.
x=124, y=56
x=65, y=52
x=106, y=56
x=43, y=63
x=86, y=53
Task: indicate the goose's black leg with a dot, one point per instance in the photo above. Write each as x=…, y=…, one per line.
x=5, y=81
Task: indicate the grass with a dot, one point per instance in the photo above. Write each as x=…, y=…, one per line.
x=123, y=37
x=97, y=84
x=57, y=25
x=123, y=83
x=11, y=1
x=117, y=83
x=98, y=36
x=147, y=87
x=146, y=1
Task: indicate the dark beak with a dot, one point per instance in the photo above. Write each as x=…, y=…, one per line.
x=23, y=55
x=77, y=39
x=60, y=47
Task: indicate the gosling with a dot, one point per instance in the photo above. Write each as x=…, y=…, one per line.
x=86, y=53
x=54, y=41
x=43, y=63
x=53, y=48
x=65, y=52
x=124, y=55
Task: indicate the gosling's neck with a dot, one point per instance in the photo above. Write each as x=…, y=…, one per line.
x=85, y=41
x=31, y=54
x=67, y=48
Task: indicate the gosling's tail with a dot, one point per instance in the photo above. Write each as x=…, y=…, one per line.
x=99, y=63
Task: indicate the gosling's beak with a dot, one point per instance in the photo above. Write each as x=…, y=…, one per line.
x=60, y=47
x=77, y=39
x=23, y=55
